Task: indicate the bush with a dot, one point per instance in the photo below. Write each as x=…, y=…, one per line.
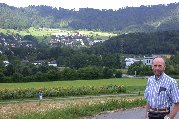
x=69, y=74
x=107, y=73
x=118, y=74
x=90, y=73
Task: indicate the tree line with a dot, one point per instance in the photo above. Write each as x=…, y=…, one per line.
x=26, y=72
x=128, y=19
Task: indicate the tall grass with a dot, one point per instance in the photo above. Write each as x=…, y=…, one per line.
x=76, y=112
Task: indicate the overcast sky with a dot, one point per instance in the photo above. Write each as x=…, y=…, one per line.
x=96, y=4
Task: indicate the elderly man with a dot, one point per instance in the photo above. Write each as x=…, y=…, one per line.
x=161, y=92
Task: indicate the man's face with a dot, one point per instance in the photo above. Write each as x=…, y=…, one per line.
x=158, y=66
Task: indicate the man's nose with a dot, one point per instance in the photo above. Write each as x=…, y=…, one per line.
x=157, y=67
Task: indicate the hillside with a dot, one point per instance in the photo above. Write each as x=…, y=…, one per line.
x=125, y=20
x=166, y=42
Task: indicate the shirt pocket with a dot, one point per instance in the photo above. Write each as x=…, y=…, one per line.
x=163, y=93
x=163, y=96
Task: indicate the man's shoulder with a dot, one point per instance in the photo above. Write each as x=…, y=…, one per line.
x=169, y=78
x=151, y=77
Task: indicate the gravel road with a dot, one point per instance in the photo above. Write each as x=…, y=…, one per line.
x=135, y=113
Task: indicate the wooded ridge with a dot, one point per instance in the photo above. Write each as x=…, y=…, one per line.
x=124, y=20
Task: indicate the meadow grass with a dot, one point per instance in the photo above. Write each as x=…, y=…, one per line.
x=128, y=82
x=84, y=110
x=48, y=31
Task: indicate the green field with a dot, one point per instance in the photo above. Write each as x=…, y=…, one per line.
x=41, y=32
x=76, y=83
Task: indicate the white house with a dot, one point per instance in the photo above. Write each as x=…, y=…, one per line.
x=6, y=62
x=130, y=61
x=145, y=60
x=38, y=62
x=148, y=60
x=52, y=64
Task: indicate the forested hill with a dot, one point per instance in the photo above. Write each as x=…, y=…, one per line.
x=166, y=42
x=125, y=20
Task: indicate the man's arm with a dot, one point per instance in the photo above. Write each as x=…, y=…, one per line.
x=147, y=107
x=174, y=111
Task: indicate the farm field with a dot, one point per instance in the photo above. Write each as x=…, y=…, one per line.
x=11, y=109
x=77, y=83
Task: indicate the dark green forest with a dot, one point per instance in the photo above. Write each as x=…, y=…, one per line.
x=124, y=20
x=166, y=42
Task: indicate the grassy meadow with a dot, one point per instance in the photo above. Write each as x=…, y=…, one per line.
x=128, y=82
x=41, y=32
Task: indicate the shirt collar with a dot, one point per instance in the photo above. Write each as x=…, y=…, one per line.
x=157, y=79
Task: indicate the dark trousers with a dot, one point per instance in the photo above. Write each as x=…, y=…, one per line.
x=157, y=115
x=156, y=118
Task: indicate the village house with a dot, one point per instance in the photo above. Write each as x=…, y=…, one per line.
x=6, y=63
x=146, y=60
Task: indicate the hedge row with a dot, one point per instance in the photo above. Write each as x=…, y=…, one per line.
x=58, y=74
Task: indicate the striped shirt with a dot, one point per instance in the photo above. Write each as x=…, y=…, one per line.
x=161, y=92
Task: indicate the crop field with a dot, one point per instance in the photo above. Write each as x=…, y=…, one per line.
x=77, y=83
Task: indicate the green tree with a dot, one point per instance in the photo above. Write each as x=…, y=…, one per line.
x=1, y=76
x=139, y=68
x=107, y=73
x=69, y=74
x=26, y=71
x=17, y=77
x=118, y=74
x=53, y=75
x=9, y=70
